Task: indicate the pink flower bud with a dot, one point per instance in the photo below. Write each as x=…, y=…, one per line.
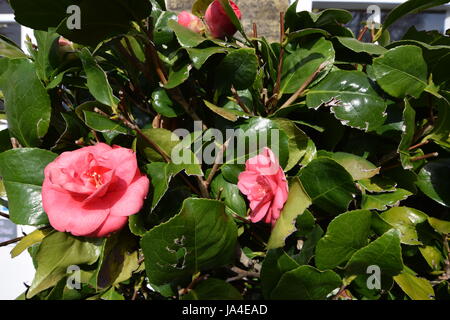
x=62, y=42
x=218, y=22
x=190, y=21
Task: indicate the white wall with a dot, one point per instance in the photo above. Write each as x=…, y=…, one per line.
x=14, y=272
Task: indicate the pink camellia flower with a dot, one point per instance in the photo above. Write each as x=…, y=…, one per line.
x=188, y=20
x=218, y=22
x=265, y=185
x=92, y=191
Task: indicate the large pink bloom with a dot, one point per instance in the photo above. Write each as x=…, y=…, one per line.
x=92, y=191
x=265, y=185
x=218, y=22
x=188, y=20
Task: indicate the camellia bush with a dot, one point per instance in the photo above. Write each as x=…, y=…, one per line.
x=165, y=156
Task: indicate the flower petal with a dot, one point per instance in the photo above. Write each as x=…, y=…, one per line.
x=131, y=201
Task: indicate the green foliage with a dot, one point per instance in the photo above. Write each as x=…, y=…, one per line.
x=360, y=129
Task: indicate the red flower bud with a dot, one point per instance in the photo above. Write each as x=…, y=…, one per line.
x=218, y=22
x=190, y=21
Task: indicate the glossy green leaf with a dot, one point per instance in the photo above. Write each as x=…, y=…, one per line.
x=302, y=63
x=255, y=134
x=237, y=69
x=27, y=103
x=383, y=201
x=118, y=259
x=433, y=181
x=358, y=167
x=231, y=115
x=328, y=184
x=200, y=56
x=22, y=171
x=410, y=7
x=9, y=49
x=359, y=46
x=229, y=194
x=186, y=37
x=345, y=235
x=100, y=20
x=401, y=77
x=97, y=81
x=276, y=263
x=385, y=252
x=416, y=288
x=433, y=256
x=30, y=239
x=164, y=105
x=306, y=283
x=405, y=220
x=440, y=226
x=200, y=237
x=45, y=41
x=298, y=201
x=408, y=132
x=57, y=252
x=213, y=289
x=299, y=143
x=100, y=123
x=357, y=104
x=178, y=76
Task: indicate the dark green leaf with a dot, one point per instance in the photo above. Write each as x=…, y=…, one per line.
x=302, y=63
x=22, y=171
x=433, y=181
x=230, y=194
x=97, y=81
x=28, y=105
x=385, y=252
x=357, y=104
x=409, y=7
x=405, y=220
x=186, y=37
x=57, y=252
x=276, y=263
x=164, y=105
x=200, y=56
x=213, y=289
x=401, y=77
x=345, y=235
x=359, y=46
x=200, y=237
x=328, y=184
x=306, y=283
x=237, y=69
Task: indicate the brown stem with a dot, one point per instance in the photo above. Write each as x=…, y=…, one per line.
x=193, y=284
x=430, y=155
x=3, y=244
x=243, y=274
x=362, y=32
x=239, y=101
x=303, y=87
x=217, y=163
x=276, y=90
x=255, y=30
x=418, y=145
